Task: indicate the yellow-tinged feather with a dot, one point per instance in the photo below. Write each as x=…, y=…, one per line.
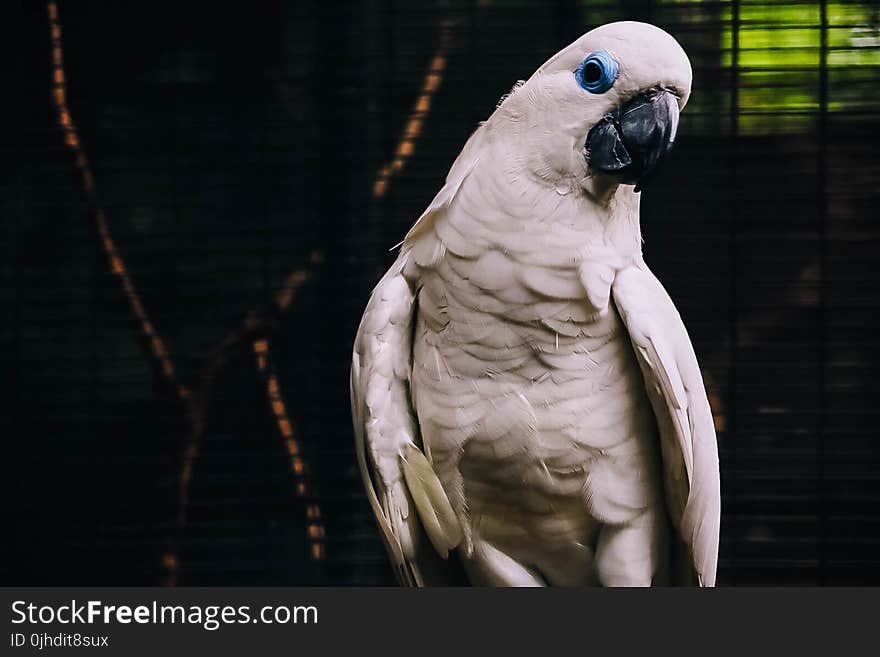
x=431, y=502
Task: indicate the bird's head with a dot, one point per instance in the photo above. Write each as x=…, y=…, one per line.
x=605, y=107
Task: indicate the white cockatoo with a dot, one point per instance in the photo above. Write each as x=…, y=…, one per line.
x=524, y=393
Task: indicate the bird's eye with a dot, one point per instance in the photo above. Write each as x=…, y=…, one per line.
x=597, y=72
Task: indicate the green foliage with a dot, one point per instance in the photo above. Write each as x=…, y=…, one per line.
x=777, y=59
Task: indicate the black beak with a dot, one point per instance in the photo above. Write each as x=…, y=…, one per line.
x=629, y=142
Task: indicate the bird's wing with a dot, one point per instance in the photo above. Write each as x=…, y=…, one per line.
x=403, y=490
x=687, y=433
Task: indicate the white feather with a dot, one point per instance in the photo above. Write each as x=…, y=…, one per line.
x=561, y=429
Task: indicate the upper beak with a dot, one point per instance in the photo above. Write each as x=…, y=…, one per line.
x=630, y=141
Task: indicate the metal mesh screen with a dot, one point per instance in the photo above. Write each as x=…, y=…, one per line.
x=198, y=198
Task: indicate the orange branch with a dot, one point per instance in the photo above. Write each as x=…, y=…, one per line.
x=155, y=345
x=413, y=128
x=253, y=324
x=315, y=528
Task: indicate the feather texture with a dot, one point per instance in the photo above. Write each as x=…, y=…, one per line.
x=675, y=387
x=391, y=464
x=521, y=342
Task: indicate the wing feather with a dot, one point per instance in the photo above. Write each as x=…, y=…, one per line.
x=402, y=488
x=678, y=397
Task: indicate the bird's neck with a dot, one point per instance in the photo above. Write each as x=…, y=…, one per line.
x=622, y=226
x=599, y=208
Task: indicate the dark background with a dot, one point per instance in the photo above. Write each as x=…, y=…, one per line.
x=231, y=144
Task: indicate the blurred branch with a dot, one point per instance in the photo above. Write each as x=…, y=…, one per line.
x=415, y=123
x=315, y=529
x=257, y=328
x=155, y=346
x=196, y=403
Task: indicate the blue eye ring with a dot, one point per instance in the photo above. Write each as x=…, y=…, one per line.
x=597, y=72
